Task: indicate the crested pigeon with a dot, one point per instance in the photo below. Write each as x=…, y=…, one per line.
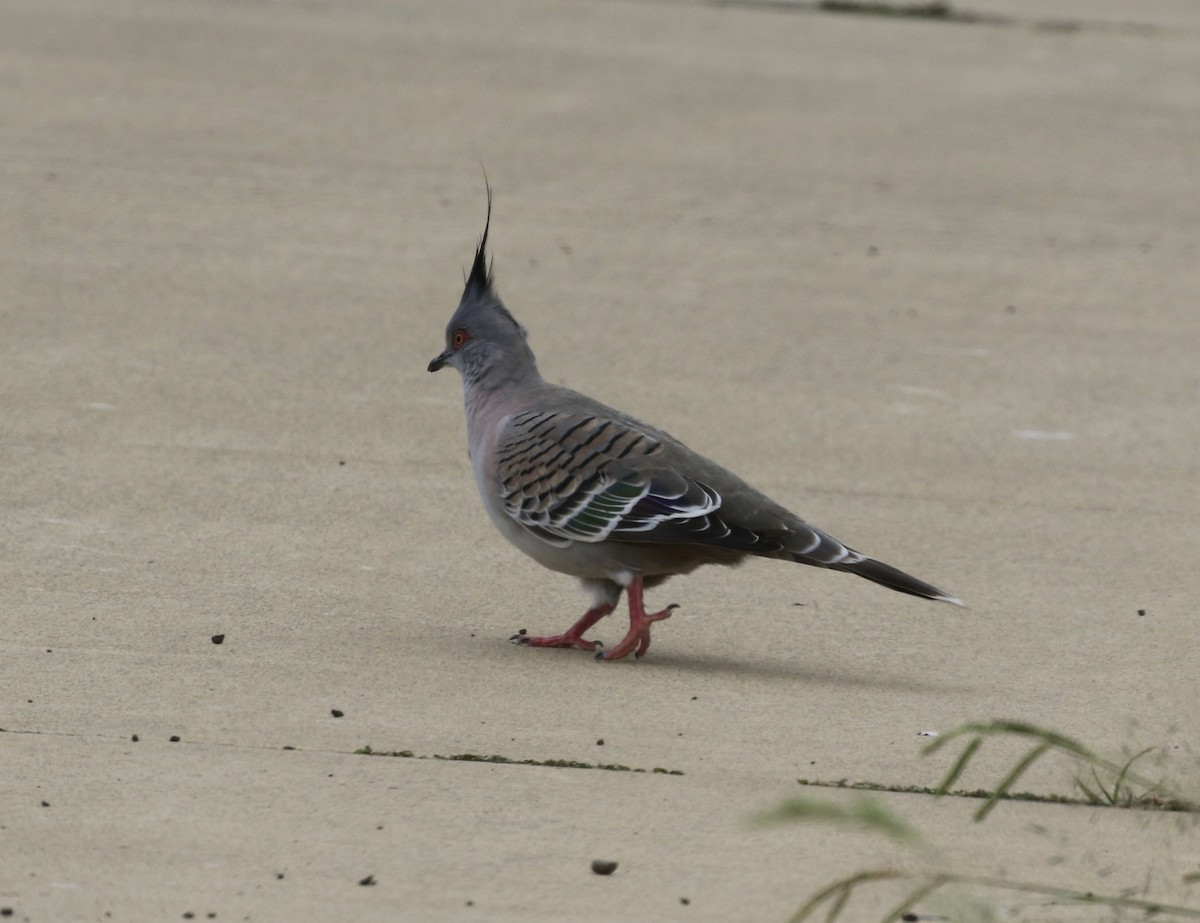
x=590, y=491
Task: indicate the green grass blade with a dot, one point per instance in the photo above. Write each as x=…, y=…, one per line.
x=1079, y=897
x=1019, y=728
x=916, y=896
x=862, y=812
x=1090, y=795
x=839, y=903
x=960, y=765
x=1009, y=780
x=1125, y=771
x=841, y=889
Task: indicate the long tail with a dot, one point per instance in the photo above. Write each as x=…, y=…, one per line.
x=809, y=545
x=795, y=541
x=893, y=579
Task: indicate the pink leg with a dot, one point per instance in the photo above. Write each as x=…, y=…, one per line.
x=637, y=641
x=573, y=636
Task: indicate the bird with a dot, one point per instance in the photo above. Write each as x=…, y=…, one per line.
x=595, y=493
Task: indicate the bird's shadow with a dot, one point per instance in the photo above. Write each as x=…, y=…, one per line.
x=805, y=673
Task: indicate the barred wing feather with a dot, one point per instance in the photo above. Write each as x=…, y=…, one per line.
x=582, y=478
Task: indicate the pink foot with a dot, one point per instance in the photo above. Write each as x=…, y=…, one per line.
x=637, y=640
x=572, y=637
x=566, y=639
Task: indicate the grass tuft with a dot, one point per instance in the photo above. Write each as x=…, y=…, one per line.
x=1109, y=784
x=1127, y=788
x=838, y=894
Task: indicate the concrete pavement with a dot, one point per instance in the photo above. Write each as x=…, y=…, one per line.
x=932, y=285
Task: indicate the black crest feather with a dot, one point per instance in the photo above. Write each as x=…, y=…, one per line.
x=480, y=278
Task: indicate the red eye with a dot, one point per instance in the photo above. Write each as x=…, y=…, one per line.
x=459, y=338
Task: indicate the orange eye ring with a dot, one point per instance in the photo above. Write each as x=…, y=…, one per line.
x=458, y=339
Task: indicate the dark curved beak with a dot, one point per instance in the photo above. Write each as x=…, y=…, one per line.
x=439, y=361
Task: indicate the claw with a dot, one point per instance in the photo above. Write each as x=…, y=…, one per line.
x=573, y=636
x=567, y=639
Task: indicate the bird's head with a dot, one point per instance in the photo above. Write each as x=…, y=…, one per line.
x=483, y=340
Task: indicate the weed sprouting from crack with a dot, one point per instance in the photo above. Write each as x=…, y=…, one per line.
x=836, y=895
x=1121, y=792
x=1109, y=784
x=1123, y=788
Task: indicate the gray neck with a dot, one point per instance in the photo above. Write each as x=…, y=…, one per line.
x=499, y=390
x=507, y=373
